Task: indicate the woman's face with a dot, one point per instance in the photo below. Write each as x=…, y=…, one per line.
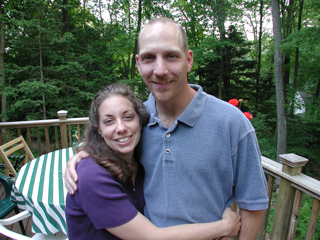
x=119, y=125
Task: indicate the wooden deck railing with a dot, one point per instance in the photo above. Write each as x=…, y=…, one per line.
x=43, y=136
x=293, y=184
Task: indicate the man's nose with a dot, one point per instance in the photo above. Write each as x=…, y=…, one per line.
x=160, y=68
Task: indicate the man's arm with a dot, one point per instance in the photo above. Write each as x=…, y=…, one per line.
x=71, y=176
x=250, y=224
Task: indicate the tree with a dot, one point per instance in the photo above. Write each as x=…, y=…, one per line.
x=279, y=81
x=238, y=69
x=296, y=65
x=2, y=79
x=57, y=54
x=133, y=61
x=219, y=8
x=259, y=54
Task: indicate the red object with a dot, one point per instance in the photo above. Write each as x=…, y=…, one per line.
x=248, y=115
x=234, y=102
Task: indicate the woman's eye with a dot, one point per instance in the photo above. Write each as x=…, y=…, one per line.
x=129, y=116
x=107, y=121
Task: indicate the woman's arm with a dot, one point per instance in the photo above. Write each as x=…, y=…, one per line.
x=141, y=228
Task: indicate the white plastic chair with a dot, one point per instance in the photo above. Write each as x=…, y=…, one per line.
x=38, y=236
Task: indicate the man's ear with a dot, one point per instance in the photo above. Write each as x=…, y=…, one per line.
x=189, y=60
x=137, y=61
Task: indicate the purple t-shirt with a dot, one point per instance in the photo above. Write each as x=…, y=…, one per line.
x=101, y=202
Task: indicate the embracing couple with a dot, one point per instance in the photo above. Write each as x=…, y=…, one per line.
x=169, y=168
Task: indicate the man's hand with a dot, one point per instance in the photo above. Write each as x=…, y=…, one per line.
x=71, y=176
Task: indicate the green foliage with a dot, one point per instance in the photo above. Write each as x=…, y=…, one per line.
x=272, y=212
x=304, y=218
x=304, y=140
x=264, y=132
x=48, y=70
x=57, y=56
x=238, y=70
x=307, y=40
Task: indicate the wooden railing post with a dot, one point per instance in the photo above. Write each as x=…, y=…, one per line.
x=292, y=165
x=63, y=128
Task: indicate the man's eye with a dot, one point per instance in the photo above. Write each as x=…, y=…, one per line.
x=149, y=57
x=172, y=56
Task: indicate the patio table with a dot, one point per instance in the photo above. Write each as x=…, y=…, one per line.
x=39, y=188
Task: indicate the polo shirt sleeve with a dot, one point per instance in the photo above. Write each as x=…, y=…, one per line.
x=250, y=180
x=101, y=197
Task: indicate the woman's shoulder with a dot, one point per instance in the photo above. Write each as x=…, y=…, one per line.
x=91, y=173
x=87, y=166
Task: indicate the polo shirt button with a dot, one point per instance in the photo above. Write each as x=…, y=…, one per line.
x=168, y=135
x=167, y=150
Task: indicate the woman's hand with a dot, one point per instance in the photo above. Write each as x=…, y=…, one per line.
x=233, y=221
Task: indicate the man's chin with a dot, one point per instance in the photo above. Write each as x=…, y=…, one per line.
x=162, y=97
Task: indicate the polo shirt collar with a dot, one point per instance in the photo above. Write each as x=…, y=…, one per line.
x=189, y=117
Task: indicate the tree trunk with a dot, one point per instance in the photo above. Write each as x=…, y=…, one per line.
x=219, y=10
x=290, y=10
x=65, y=16
x=2, y=79
x=317, y=93
x=133, y=60
x=41, y=66
x=279, y=82
x=296, y=62
x=100, y=11
x=129, y=69
x=259, y=55
x=84, y=13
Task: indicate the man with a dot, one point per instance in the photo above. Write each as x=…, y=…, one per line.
x=199, y=153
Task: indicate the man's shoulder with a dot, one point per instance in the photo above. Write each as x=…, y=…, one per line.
x=224, y=112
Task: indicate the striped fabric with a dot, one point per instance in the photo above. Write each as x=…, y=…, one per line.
x=39, y=188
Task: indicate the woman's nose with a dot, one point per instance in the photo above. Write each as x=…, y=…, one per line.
x=121, y=127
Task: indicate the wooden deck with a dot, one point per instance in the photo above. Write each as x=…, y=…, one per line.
x=15, y=227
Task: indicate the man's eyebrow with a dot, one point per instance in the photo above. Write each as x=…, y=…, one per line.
x=175, y=50
x=144, y=52
x=168, y=50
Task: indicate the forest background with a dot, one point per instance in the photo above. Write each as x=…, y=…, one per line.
x=56, y=55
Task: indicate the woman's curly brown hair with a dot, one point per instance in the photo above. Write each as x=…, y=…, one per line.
x=95, y=144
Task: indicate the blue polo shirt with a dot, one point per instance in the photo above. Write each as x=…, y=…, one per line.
x=197, y=167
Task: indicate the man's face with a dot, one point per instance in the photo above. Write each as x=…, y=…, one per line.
x=162, y=61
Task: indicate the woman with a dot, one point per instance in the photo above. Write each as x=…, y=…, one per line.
x=109, y=201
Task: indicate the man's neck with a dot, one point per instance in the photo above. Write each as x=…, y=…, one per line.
x=169, y=111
